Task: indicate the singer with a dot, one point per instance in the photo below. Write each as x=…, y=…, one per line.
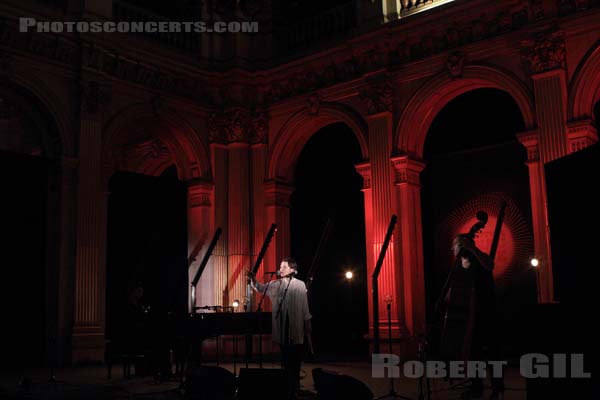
x=291, y=318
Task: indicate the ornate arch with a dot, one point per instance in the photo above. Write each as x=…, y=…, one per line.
x=61, y=141
x=297, y=130
x=180, y=143
x=584, y=89
x=429, y=100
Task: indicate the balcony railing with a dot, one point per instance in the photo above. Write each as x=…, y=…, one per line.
x=327, y=25
x=187, y=41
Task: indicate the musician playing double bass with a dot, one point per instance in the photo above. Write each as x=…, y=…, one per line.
x=471, y=317
x=291, y=319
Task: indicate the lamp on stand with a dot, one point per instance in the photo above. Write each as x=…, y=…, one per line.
x=535, y=264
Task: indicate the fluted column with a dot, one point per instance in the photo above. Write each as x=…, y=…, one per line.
x=260, y=223
x=89, y=324
x=377, y=98
x=239, y=219
x=364, y=170
x=539, y=213
x=410, y=242
x=201, y=229
x=546, y=56
x=220, y=262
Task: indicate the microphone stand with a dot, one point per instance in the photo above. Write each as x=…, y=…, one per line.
x=259, y=314
x=392, y=393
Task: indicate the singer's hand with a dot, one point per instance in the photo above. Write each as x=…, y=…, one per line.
x=251, y=275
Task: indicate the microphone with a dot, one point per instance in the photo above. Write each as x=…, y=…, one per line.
x=272, y=273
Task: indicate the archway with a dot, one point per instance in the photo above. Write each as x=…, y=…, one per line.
x=584, y=91
x=474, y=162
x=30, y=144
x=147, y=233
x=425, y=105
x=328, y=191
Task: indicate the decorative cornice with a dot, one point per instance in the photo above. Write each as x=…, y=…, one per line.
x=238, y=125
x=545, y=52
x=378, y=97
x=581, y=134
x=103, y=60
x=407, y=170
x=278, y=193
x=355, y=66
x=94, y=96
x=530, y=140
x=199, y=193
x=364, y=169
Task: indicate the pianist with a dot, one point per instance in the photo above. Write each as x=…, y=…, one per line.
x=291, y=318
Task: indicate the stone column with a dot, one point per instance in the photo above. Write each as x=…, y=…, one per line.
x=410, y=242
x=539, y=214
x=277, y=196
x=258, y=166
x=221, y=185
x=201, y=229
x=238, y=232
x=90, y=274
x=378, y=103
x=545, y=56
x=364, y=170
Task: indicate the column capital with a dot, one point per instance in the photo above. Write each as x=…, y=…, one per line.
x=581, y=134
x=407, y=169
x=544, y=52
x=278, y=193
x=364, y=169
x=238, y=125
x=378, y=96
x=530, y=139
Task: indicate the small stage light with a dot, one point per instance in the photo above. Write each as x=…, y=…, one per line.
x=349, y=275
x=535, y=262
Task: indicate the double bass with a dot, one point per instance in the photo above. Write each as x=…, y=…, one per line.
x=468, y=295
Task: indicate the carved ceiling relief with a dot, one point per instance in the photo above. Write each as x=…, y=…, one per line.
x=314, y=104
x=378, y=97
x=455, y=64
x=545, y=52
x=238, y=125
x=129, y=155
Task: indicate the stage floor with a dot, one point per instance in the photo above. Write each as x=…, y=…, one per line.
x=91, y=382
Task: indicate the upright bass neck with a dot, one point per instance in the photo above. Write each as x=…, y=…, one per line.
x=497, y=230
